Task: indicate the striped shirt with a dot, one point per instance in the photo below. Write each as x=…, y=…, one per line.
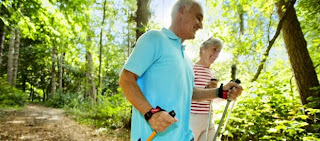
x=202, y=77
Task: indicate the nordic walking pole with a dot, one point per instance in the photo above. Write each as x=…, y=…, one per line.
x=209, y=114
x=221, y=121
x=154, y=133
x=225, y=123
x=233, y=76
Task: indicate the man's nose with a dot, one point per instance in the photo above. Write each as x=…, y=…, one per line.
x=216, y=54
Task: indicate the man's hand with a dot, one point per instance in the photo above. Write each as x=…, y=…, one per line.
x=235, y=90
x=160, y=121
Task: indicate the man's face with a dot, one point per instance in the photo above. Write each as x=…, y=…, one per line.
x=192, y=20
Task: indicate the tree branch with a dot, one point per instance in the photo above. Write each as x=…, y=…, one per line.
x=317, y=65
x=269, y=26
x=279, y=27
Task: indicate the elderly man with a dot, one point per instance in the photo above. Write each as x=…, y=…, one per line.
x=158, y=77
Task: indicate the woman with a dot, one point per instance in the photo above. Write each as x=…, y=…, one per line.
x=209, y=52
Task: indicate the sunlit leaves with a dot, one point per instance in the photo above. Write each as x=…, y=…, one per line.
x=268, y=112
x=313, y=111
x=27, y=28
x=274, y=98
x=309, y=17
x=4, y=20
x=250, y=45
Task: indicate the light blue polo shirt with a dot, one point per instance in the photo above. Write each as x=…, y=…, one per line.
x=166, y=80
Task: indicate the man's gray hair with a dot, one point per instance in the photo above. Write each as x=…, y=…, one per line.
x=178, y=4
x=211, y=41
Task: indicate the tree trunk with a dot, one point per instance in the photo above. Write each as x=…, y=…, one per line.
x=101, y=49
x=47, y=92
x=130, y=19
x=142, y=16
x=24, y=81
x=241, y=31
x=43, y=87
x=2, y=37
x=53, y=72
x=241, y=12
x=16, y=57
x=124, y=48
x=32, y=93
x=61, y=62
x=10, y=58
x=44, y=95
x=90, y=77
x=296, y=47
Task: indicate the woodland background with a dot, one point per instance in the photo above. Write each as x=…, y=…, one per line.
x=69, y=53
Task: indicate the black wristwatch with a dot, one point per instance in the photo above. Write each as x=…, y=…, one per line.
x=149, y=114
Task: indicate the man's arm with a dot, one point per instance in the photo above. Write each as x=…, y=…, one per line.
x=128, y=82
x=208, y=94
x=200, y=94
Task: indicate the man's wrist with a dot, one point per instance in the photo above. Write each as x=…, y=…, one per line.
x=152, y=111
x=224, y=94
x=217, y=92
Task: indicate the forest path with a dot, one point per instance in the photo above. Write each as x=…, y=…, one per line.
x=36, y=122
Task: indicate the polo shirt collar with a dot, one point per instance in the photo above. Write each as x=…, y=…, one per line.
x=170, y=34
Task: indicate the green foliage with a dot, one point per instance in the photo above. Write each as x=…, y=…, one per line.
x=309, y=16
x=10, y=96
x=270, y=108
x=60, y=100
x=270, y=111
x=313, y=110
x=313, y=101
x=111, y=111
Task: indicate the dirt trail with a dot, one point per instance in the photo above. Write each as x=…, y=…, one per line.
x=38, y=123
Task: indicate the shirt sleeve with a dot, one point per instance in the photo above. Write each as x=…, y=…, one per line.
x=145, y=53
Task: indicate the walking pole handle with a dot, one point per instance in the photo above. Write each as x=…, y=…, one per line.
x=154, y=133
